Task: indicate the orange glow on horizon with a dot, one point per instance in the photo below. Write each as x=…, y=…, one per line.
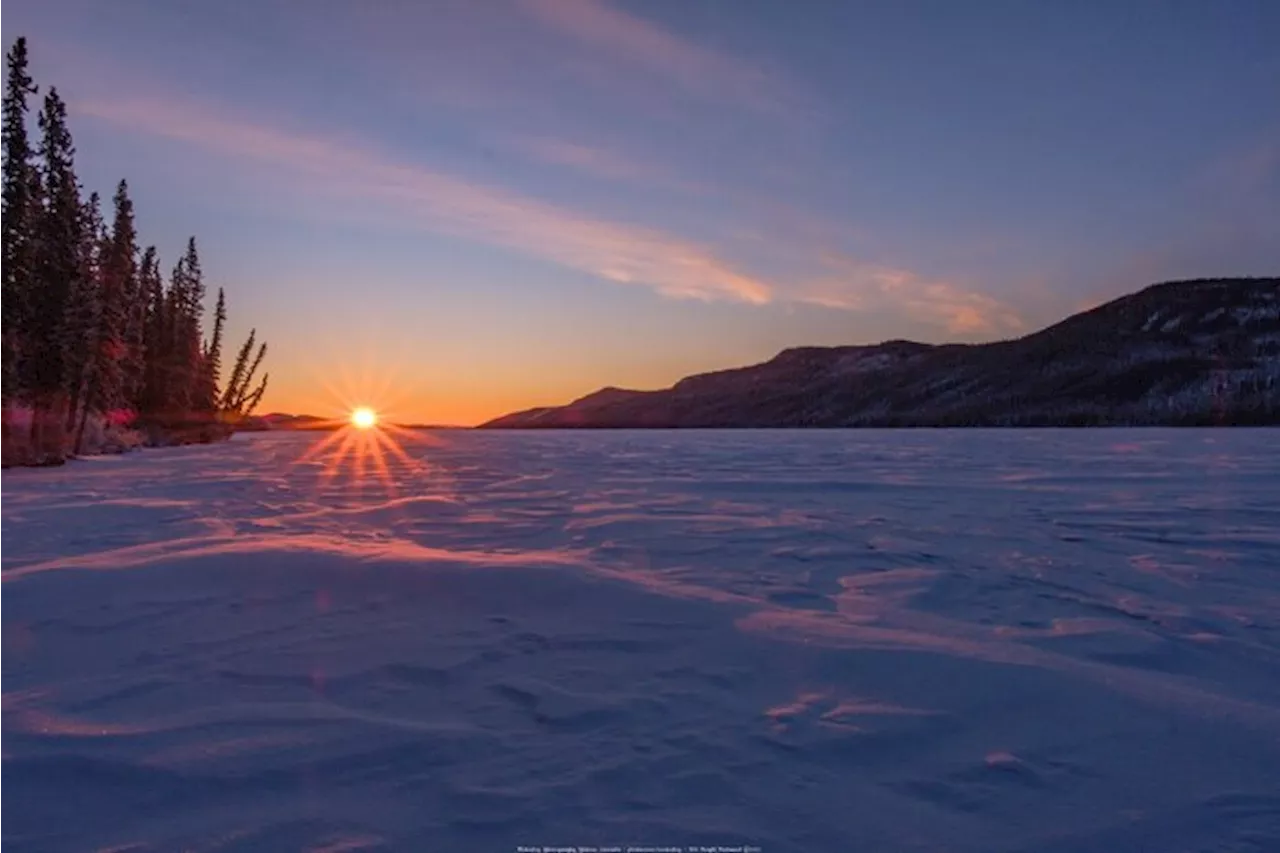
x=428, y=394
x=448, y=403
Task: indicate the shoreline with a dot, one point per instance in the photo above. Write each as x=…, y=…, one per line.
x=53, y=446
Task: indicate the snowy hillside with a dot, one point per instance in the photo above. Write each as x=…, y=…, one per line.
x=1200, y=352
x=962, y=640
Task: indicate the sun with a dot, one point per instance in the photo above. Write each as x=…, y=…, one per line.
x=364, y=418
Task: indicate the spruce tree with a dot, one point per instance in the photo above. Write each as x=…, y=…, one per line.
x=177, y=381
x=241, y=396
x=136, y=323
x=21, y=201
x=110, y=363
x=89, y=329
x=57, y=271
x=213, y=357
x=84, y=313
x=155, y=354
x=256, y=397
x=237, y=372
x=96, y=391
x=114, y=363
x=192, y=341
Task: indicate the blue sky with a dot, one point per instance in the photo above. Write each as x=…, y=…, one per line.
x=456, y=209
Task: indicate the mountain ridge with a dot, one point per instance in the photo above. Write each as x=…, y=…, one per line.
x=1201, y=351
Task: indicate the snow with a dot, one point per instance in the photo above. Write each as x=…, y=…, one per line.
x=859, y=363
x=1256, y=314
x=1044, y=640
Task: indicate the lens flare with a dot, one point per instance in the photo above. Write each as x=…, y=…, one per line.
x=364, y=447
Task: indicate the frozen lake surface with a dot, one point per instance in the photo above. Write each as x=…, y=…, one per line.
x=802, y=641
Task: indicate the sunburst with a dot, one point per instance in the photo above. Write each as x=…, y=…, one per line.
x=366, y=443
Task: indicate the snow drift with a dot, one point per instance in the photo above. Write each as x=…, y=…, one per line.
x=960, y=640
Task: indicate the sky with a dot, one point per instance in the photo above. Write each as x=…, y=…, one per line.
x=452, y=210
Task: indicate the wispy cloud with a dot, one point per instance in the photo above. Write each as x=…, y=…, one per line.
x=651, y=49
x=444, y=203
x=854, y=285
x=672, y=265
x=590, y=160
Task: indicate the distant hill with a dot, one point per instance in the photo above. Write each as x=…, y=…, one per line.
x=1180, y=353
x=279, y=420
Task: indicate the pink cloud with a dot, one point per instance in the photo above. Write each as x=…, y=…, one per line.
x=438, y=202
x=594, y=161
x=855, y=285
x=656, y=51
x=667, y=263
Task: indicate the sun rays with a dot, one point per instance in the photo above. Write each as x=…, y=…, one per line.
x=364, y=452
x=366, y=446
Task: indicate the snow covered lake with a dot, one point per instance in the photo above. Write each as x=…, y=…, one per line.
x=801, y=641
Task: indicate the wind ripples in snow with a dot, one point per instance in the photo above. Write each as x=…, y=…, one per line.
x=964, y=640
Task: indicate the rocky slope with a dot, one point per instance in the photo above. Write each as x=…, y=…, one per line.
x=1180, y=353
